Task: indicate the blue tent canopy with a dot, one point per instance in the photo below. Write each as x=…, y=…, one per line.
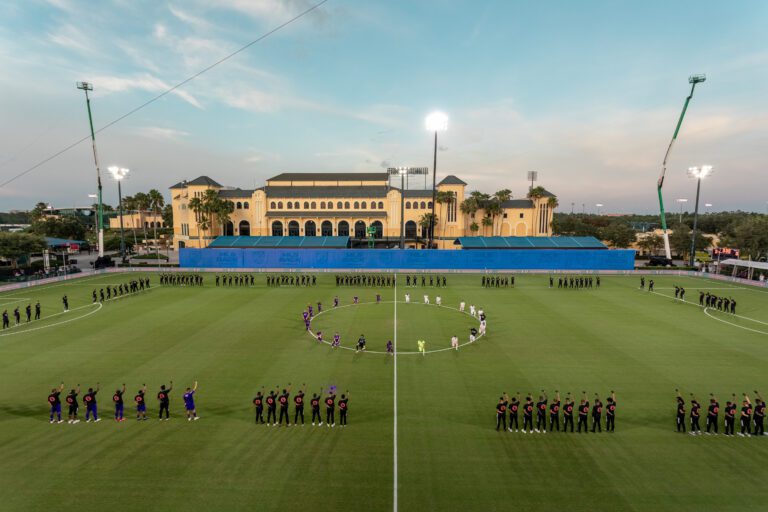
x=529, y=242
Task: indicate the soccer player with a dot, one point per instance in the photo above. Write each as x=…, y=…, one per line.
x=455, y=342
x=642, y=282
x=439, y=300
x=37, y=310
x=330, y=409
x=343, y=406
x=258, y=404
x=730, y=416
x=336, y=340
x=695, y=408
x=118, y=399
x=298, y=402
x=16, y=316
x=759, y=417
x=583, y=413
x=462, y=306
x=165, y=401
x=568, y=413
x=28, y=311
x=315, y=404
x=746, y=417
x=528, y=414
x=501, y=413
x=712, y=413
x=65, y=300
x=390, y=348
x=680, y=413
x=554, y=413
x=541, y=413
x=650, y=285
x=6, y=321
x=426, y=299
x=90, y=404
x=472, y=334
x=422, y=347
x=54, y=401
x=407, y=298
x=189, y=403
x=141, y=404
x=610, y=413
x=360, y=343
x=73, y=405
x=283, y=400
x=472, y=309
x=272, y=408
x=513, y=407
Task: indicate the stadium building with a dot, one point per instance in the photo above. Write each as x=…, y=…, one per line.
x=347, y=205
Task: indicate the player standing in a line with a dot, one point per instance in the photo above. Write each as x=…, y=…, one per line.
x=528, y=414
x=472, y=310
x=90, y=404
x=141, y=404
x=759, y=416
x=165, y=401
x=583, y=413
x=189, y=403
x=343, y=407
x=501, y=414
x=73, y=405
x=730, y=416
x=390, y=348
x=315, y=404
x=568, y=413
x=746, y=417
x=680, y=413
x=65, y=300
x=462, y=306
x=298, y=402
x=258, y=404
x=330, y=409
x=712, y=413
x=541, y=413
x=37, y=310
x=336, y=340
x=610, y=413
x=283, y=400
x=407, y=298
x=554, y=413
x=597, y=414
x=695, y=414
x=272, y=408
x=54, y=401
x=513, y=407
x=422, y=347
x=118, y=399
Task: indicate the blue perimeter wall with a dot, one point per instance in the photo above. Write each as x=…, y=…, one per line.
x=389, y=259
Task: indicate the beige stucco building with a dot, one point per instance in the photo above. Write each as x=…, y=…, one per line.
x=347, y=204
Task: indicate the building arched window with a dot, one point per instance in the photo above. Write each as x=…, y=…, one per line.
x=277, y=228
x=279, y=205
x=295, y=205
x=293, y=228
x=326, y=228
x=364, y=205
x=381, y=205
x=313, y=205
x=346, y=205
x=410, y=229
x=245, y=205
x=322, y=205
x=423, y=205
x=244, y=229
x=360, y=229
x=429, y=205
x=357, y=205
x=338, y=205
x=239, y=205
x=343, y=229
x=306, y=205
x=379, y=229
x=310, y=229
x=272, y=205
x=373, y=205
x=407, y=205
x=290, y=205
x=229, y=228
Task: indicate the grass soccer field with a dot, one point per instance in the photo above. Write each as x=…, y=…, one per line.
x=447, y=454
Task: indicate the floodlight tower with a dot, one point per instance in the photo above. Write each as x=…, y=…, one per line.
x=119, y=173
x=699, y=173
x=403, y=172
x=435, y=122
x=85, y=86
x=693, y=80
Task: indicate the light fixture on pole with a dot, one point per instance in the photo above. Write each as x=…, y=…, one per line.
x=707, y=206
x=532, y=177
x=693, y=80
x=85, y=86
x=599, y=205
x=435, y=122
x=403, y=172
x=119, y=174
x=699, y=173
x=681, y=201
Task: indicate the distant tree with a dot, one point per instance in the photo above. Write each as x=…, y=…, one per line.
x=38, y=211
x=503, y=195
x=142, y=203
x=168, y=216
x=536, y=192
x=651, y=243
x=443, y=197
x=474, y=228
x=619, y=234
x=751, y=237
x=487, y=222
x=62, y=227
x=425, y=222
x=469, y=208
x=14, y=246
x=156, y=203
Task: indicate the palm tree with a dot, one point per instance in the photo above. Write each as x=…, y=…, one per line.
x=474, y=228
x=493, y=209
x=536, y=192
x=142, y=203
x=469, y=208
x=487, y=222
x=223, y=210
x=503, y=195
x=156, y=203
x=553, y=202
x=444, y=197
x=425, y=222
x=197, y=205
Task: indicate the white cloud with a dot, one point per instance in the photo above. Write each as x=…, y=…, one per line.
x=272, y=11
x=190, y=19
x=157, y=132
x=145, y=82
x=160, y=31
x=70, y=37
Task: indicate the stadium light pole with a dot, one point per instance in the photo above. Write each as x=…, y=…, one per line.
x=707, y=206
x=119, y=173
x=699, y=173
x=693, y=80
x=599, y=205
x=435, y=122
x=403, y=172
x=85, y=86
x=680, y=202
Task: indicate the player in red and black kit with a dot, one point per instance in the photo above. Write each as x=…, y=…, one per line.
x=330, y=409
x=759, y=417
x=514, y=407
x=283, y=401
x=583, y=413
x=501, y=413
x=298, y=403
x=315, y=403
x=541, y=413
x=695, y=414
x=258, y=404
x=343, y=408
x=730, y=416
x=597, y=414
x=680, y=412
x=746, y=417
x=610, y=413
x=712, y=412
x=568, y=413
x=162, y=397
x=272, y=407
x=528, y=414
x=554, y=413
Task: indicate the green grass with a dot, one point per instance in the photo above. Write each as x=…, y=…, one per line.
x=235, y=340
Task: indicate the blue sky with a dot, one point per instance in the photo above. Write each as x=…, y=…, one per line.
x=586, y=93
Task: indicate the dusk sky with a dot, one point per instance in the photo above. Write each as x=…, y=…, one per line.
x=585, y=93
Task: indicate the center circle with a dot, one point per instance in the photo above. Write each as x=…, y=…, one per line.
x=415, y=321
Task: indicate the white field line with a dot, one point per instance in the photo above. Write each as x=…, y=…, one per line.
x=706, y=312
x=394, y=401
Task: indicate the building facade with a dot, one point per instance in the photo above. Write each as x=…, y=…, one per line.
x=347, y=204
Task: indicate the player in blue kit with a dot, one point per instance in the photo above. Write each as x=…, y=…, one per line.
x=119, y=405
x=141, y=404
x=189, y=403
x=90, y=404
x=54, y=401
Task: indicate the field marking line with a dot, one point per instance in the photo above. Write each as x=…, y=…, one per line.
x=5, y=302
x=408, y=353
x=394, y=358
x=706, y=312
x=67, y=282
x=705, y=308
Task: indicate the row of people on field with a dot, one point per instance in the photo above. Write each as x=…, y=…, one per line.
x=751, y=416
x=133, y=286
x=511, y=406
x=381, y=280
x=426, y=280
x=234, y=280
x=710, y=300
x=498, y=282
x=272, y=400
x=178, y=279
x=575, y=282
x=290, y=280
x=17, y=315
